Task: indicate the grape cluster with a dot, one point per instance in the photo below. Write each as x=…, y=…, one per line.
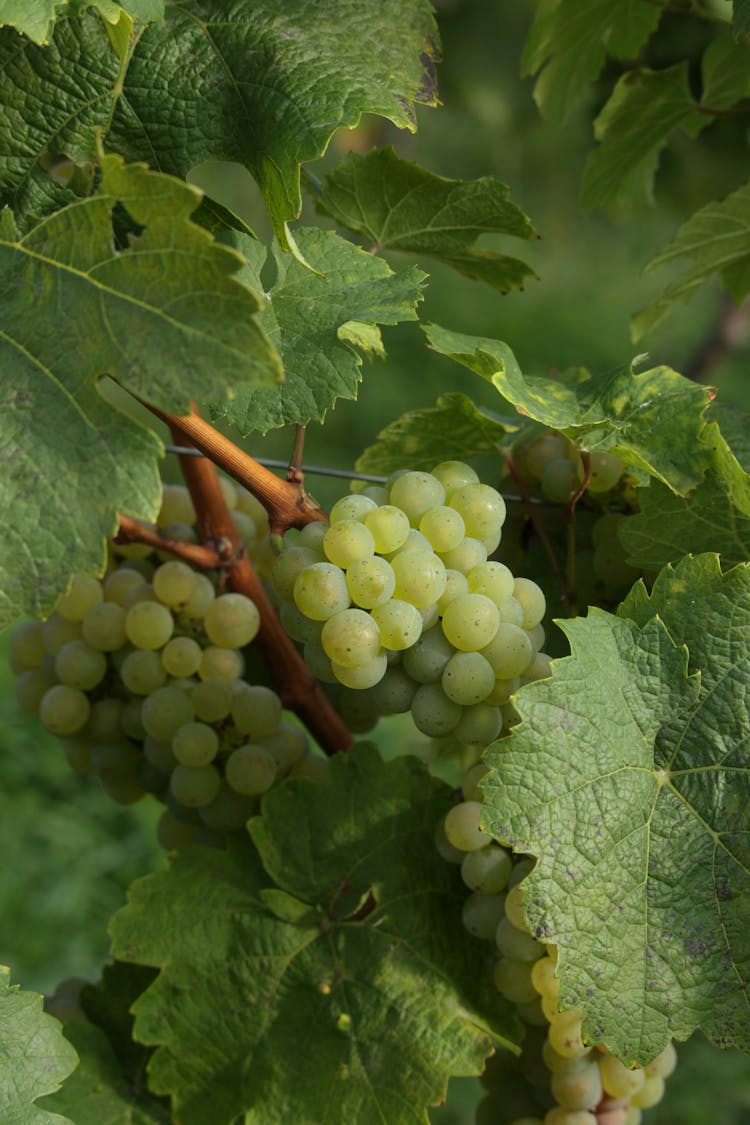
x=141, y=674
x=553, y=464
x=558, y=1078
x=397, y=601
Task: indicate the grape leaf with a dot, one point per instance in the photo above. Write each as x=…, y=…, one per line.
x=726, y=73
x=714, y=517
x=36, y=19
x=359, y=1010
x=715, y=239
x=741, y=15
x=164, y=316
x=628, y=778
x=396, y=205
x=34, y=1057
x=454, y=429
x=573, y=39
x=320, y=325
x=651, y=419
x=633, y=127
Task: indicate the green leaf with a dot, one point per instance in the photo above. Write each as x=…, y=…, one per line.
x=396, y=205
x=714, y=517
x=741, y=15
x=140, y=11
x=34, y=20
x=726, y=73
x=341, y=1016
x=164, y=316
x=34, y=1057
x=715, y=239
x=651, y=420
x=320, y=325
x=573, y=38
x=628, y=778
x=455, y=428
x=634, y=126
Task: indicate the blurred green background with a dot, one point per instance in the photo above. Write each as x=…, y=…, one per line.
x=67, y=853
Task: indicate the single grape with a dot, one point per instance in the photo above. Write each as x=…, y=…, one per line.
x=80, y=666
x=212, y=700
x=288, y=744
x=78, y=754
x=509, y=652
x=64, y=710
x=195, y=786
x=228, y=811
x=543, y=449
x=115, y=760
x=389, y=527
x=539, y=668
x=493, y=579
x=174, y=834
x=503, y=690
x=470, y=622
x=291, y=562
x=394, y=693
x=30, y=687
x=559, y=480
x=195, y=744
x=131, y=722
x=165, y=711
x=454, y=474
x=605, y=472
x=462, y=827
x=470, y=783
x=565, y=1035
x=364, y=675
x=371, y=582
x=351, y=638
x=347, y=542
x=83, y=593
x=256, y=710
x=443, y=527
x=103, y=627
x=173, y=583
x=312, y=536
x=319, y=663
x=415, y=541
x=181, y=657
x=415, y=492
x=353, y=507
x=200, y=599
x=467, y=678
x=434, y=714
x=232, y=621
x=148, y=625
x=430, y=615
x=481, y=913
x=320, y=591
x=468, y=554
x=486, y=870
x=159, y=754
x=250, y=770
x=399, y=622
x=299, y=627
x=142, y=672
x=481, y=507
x=455, y=584
x=664, y=1063
x=518, y=944
x=221, y=664
x=479, y=725
x=176, y=506
x=650, y=1093
x=532, y=601
x=420, y=577
x=513, y=979
x=27, y=646
x=57, y=631
x=618, y=1080
x=427, y=658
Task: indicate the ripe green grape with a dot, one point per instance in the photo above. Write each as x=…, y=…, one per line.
x=399, y=622
x=518, y=944
x=559, y=480
x=434, y=714
x=481, y=914
x=512, y=979
x=618, y=1080
x=83, y=593
x=454, y=474
x=351, y=638
x=228, y=811
x=650, y=1093
x=212, y=700
x=181, y=657
x=493, y=579
x=195, y=786
x=364, y=675
x=142, y=672
x=30, y=686
x=565, y=1035
x=288, y=744
x=57, y=631
x=64, y=710
x=420, y=577
x=509, y=652
x=148, y=625
x=202, y=596
x=664, y=1063
x=605, y=472
x=371, y=582
x=482, y=509
x=389, y=527
x=176, y=506
x=80, y=666
x=256, y=710
x=27, y=646
x=487, y=870
x=532, y=601
x=443, y=527
x=455, y=584
x=195, y=744
x=299, y=627
x=470, y=622
x=165, y=711
x=394, y=693
x=250, y=770
x=120, y=582
x=580, y=1088
x=347, y=542
x=232, y=621
x=159, y=754
x=319, y=663
x=467, y=678
x=221, y=664
x=356, y=506
x=103, y=627
x=426, y=659
x=320, y=591
x=462, y=827
x=543, y=449
x=479, y=725
x=415, y=492
x=291, y=562
x=561, y=1116
x=173, y=583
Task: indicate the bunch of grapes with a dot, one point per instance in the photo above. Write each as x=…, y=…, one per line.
x=558, y=1079
x=397, y=601
x=141, y=674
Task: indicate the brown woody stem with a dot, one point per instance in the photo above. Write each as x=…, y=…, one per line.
x=197, y=554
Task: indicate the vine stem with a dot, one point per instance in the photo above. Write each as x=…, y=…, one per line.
x=287, y=503
x=297, y=687
x=197, y=554
x=544, y=539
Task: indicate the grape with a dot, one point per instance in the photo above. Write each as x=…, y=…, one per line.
x=351, y=638
x=103, y=627
x=371, y=582
x=288, y=745
x=509, y=652
x=291, y=562
x=165, y=711
x=561, y=1116
x=434, y=714
x=466, y=555
x=27, y=646
x=347, y=542
x=250, y=770
x=503, y=690
x=420, y=577
x=318, y=663
x=78, y=754
x=212, y=700
x=606, y=527
x=173, y=583
x=481, y=913
x=181, y=657
x=513, y=980
x=394, y=693
x=537, y=637
x=454, y=474
x=232, y=621
x=486, y=870
x=511, y=612
x=159, y=754
x=364, y=675
x=650, y=1093
x=539, y=669
x=543, y=449
x=124, y=789
x=312, y=536
x=57, y=631
x=353, y=507
x=229, y=492
x=618, y=1081
x=195, y=786
x=544, y=979
x=320, y=591
x=514, y=908
x=578, y=1089
x=142, y=593
x=228, y=811
x=148, y=625
x=64, y=710
x=201, y=597
x=427, y=658
x=256, y=710
x=399, y=622
x=470, y=786
x=30, y=686
x=470, y=622
x=389, y=527
x=115, y=760
x=532, y=601
x=462, y=827
x=455, y=584
x=559, y=480
x=311, y=766
x=415, y=541
x=482, y=509
x=479, y=725
x=518, y=944
x=467, y=678
x=430, y=615
x=299, y=627
x=80, y=666
x=443, y=527
x=221, y=664
x=444, y=847
x=415, y=492
x=176, y=506
x=493, y=579
x=142, y=672
x=610, y=566
x=131, y=722
x=195, y=744
x=565, y=1037
x=605, y=472
x=83, y=593
x=664, y=1063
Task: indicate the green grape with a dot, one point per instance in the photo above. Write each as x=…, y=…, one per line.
x=561, y=1116
x=462, y=827
x=420, y=577
x=148, y=625
x=319, y=663
x=173, y=583
x=288, y=744
x=174, y=834
x=195, y=786
x=537, y=637
x=511, y=612
x=532, y=601
x=559, y=480
x=356, y=506
x=131, y=722
x=299, y=627
x=479, y=725
x=347, y=542
x=543, y=977
x=605, y=472
x=256, y=710
x=152, y=780
x=514, y=908
x=610, y=566
x=618, y=1080
x=430, y=615
x=291, y=562
x=443, y=527
x=201, y=597
x=455, y=584
x=650, y=1093
x=454, y=474
x=142, y=672
x=103, y=627
x=539, y=668
x=253, y=508
x=134, y=552
x=364, y=675
x=664, y=1063
x=165, y=711
x=512, y=978
x=320, y=591
x=509, y=652
x=212, y=700
x=445, y=849
x=493, y=579
x=482, y=509
x=181, y=657
x=78, y=754
x=83, y=593
x=565, y=1035
x=470, y=622
x=543, y=449
x=371, y=582
x=434, y=714
x=467, y=678
x=470, y=786
x=115, y=760
x=176, y=506
x=578, y=1089
x=606, y=527
x=250, y=770
x=394, y=693
x=415, y=541
x=232, y=621
x=399, y=622
x=57, y=631
x=518, y=944
x=29, y=688
x=389, y=527
x=64, y=710
x=228, y=811
x=357, y=709
x=80, y=666
x=503, y=690
x=472, y=552
x=27, y=646
x=195, y=744
x=415, y=492
x=486, y=870
x=427, y=658
x=246, y=529
x=221, y=664
x=142, y=593
x=351, y=638
x=312, y=536
x=481, y=913
x=159, y=754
